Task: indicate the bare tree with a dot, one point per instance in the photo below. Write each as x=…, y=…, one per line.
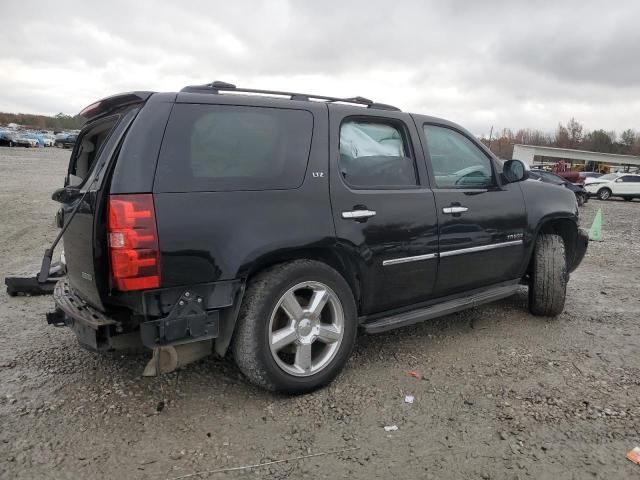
x=627, y=138
x=574, y=131
x=562, y=137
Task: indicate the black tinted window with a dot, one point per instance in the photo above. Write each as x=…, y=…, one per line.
x=220, y=147
x=630, y=178
x=375, y=153
x=551, y=178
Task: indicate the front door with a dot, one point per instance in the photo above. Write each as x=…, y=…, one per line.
x=383, y=207
x=481, y=223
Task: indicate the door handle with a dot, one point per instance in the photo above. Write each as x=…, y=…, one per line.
x=358, y=214
x=453, y=210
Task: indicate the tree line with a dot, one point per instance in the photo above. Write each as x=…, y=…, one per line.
x=572, y=135
x=61, y=121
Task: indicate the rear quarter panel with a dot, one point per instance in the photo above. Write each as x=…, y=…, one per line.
x=210, y=236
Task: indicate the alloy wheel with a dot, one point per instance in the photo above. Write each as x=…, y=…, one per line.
x=306, y=329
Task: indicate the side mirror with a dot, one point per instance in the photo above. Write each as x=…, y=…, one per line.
x=64, y=195
x=514, y=171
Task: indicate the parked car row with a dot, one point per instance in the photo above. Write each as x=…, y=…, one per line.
x=9, y=138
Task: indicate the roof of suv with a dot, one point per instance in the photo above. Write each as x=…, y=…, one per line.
x=272, y=98
x=217, y=87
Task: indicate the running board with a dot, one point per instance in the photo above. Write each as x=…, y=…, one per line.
x=440, y=309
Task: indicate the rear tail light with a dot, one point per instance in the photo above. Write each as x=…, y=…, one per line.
x=133, y=242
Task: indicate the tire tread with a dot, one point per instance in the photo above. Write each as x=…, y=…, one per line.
x=548, y=287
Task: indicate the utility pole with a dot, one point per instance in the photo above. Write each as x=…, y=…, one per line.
x=490, y=134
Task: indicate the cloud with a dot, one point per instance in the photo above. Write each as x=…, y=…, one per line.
x=502, y=63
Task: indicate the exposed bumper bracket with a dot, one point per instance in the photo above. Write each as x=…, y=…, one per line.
x=187, y=322
x=93, y=328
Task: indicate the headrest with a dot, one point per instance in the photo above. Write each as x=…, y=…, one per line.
x=87, y=146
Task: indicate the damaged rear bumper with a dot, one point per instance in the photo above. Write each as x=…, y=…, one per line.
x=93, y=328
x=180, y=316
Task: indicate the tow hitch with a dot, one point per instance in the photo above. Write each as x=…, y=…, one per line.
x=56, y=318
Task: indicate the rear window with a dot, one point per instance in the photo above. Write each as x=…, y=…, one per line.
x=92, y=140
x=223, y=148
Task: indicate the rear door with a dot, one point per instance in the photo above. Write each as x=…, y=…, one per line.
x=383, y=208
x=481, y=223
x=628, y=185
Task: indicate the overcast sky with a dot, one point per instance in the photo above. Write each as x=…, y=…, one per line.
x=479, y=63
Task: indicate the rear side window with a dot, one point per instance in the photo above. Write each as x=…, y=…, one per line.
x=375, y=153
x=224, y=148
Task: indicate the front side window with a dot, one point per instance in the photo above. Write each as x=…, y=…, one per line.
x=375, y=153
x=631, y=178
x=608, y=177
x=457, y=162
x=226, y=148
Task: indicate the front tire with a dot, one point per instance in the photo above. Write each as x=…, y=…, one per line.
x=548, y=276
x=604, y=194
x=297, y=327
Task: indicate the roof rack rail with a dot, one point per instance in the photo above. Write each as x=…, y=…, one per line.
x=217, y=86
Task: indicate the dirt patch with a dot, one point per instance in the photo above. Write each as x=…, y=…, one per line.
x=503, y=394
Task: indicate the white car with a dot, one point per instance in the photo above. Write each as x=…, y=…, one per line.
x=49, y=140
x=625, y=185
x=25, y=141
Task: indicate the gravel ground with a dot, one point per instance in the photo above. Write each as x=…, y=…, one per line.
x=503, y=394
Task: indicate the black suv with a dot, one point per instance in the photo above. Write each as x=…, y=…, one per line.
x=277, y=223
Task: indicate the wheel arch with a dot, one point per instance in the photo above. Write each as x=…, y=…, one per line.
x=332, y=257
x=329, y=256
x=563, y=226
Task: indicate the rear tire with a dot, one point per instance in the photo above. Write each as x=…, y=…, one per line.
x=628, y=199
x=276, y=340
x=548, y=278
x=580, y=199
x=604, y=194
